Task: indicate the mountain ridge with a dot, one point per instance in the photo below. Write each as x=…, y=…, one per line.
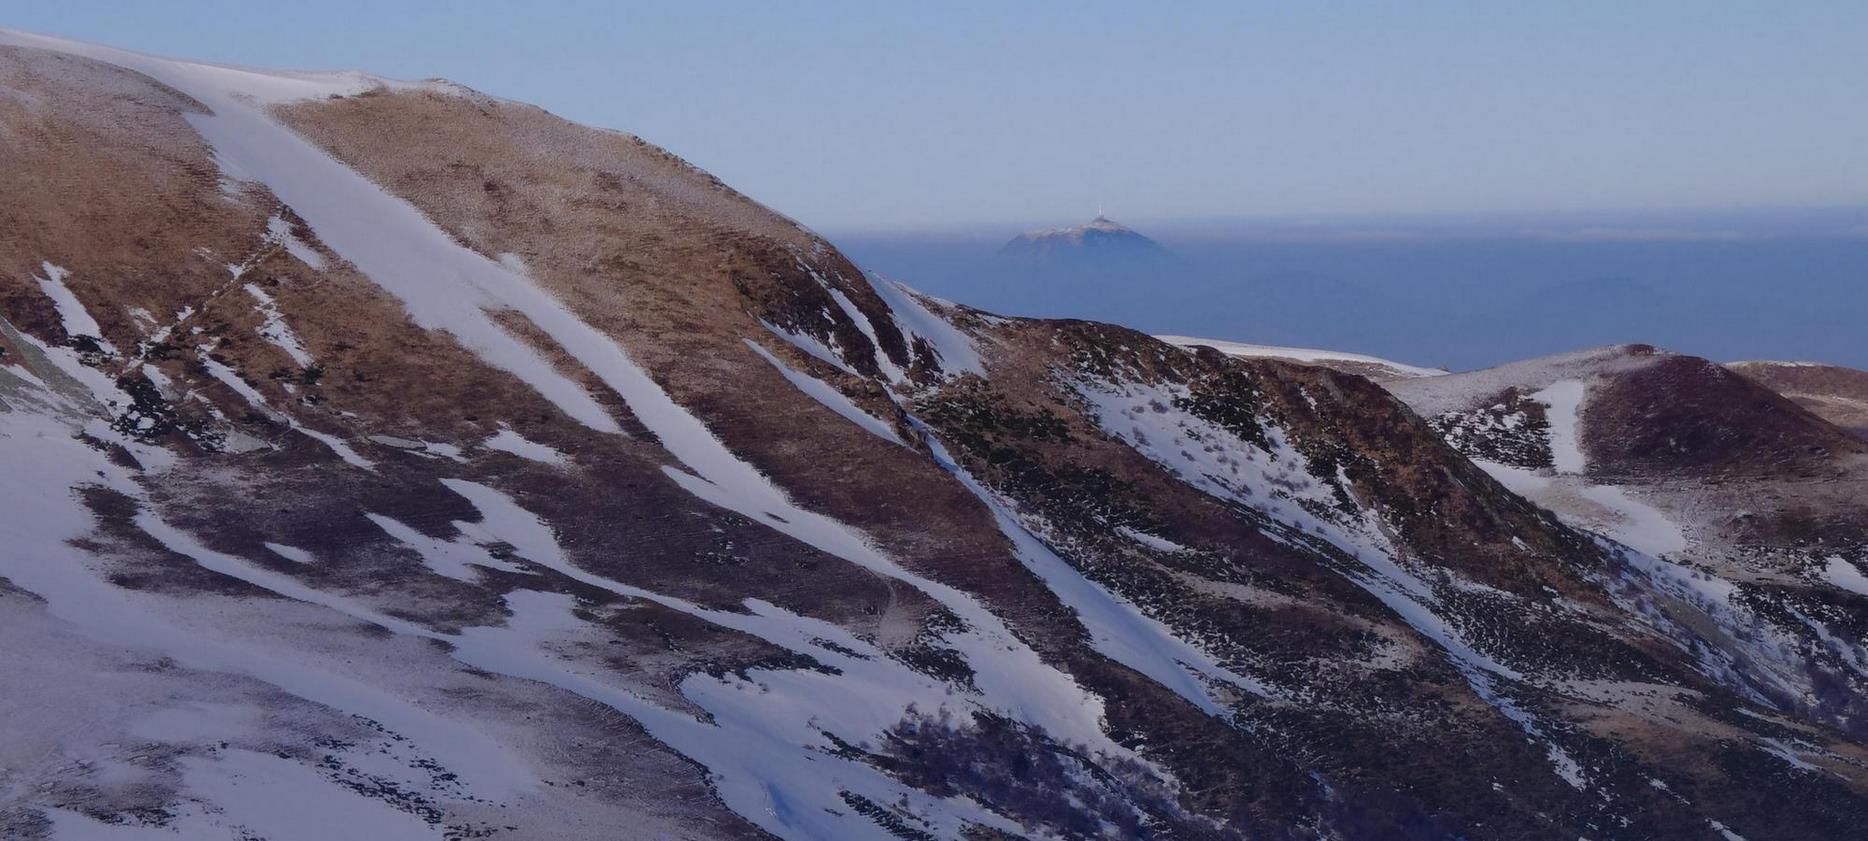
x=461, y=470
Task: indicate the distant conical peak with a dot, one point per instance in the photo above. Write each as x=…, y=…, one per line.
x=1101, y=238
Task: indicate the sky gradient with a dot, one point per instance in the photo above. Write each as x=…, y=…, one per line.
x=853, y=116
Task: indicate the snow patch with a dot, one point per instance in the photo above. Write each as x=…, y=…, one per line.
x=280, y=231
x=508, y=441
x=957, y=351
x=291, y=553
x=274, y=329
x=1155, y=542
x=76, y=319
x=1846, y=575
x=1565, y=399
x=1638, y=525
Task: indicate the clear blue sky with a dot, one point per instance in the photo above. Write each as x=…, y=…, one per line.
x=948, y=114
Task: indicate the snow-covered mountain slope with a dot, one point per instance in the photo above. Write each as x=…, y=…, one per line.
x=386, y=460
x=1373, y=367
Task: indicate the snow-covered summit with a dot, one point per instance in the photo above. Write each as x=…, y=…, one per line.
x=1101, y=238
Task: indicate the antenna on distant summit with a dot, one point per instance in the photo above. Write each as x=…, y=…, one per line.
x=1099, y=210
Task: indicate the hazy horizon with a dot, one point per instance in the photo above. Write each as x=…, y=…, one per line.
x=847, y=116
x=1384, y=180
x=1461, y=294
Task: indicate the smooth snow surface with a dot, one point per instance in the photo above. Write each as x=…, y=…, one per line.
x=291, y=553
x=1637, y=524
x=1846, y=575
x=1565, y=399
x=257, y=795
x=1299, y=354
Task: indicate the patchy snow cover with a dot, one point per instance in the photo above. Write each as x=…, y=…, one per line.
x=763, y=738
x=1610, y=510
x=1565, y=399
x=1119, y=630
x=71, y=312
x=451, y=558
x=274, y=329
x=1435, y=396
x=508, y=441
x=231, y=378
x=850, y=311
x=1276, y=481
x=47, y=464
x=425, y=449
x=64, y=383
x=766, y=744
x=1299, y=354
x=448, y=287
x=828, y=395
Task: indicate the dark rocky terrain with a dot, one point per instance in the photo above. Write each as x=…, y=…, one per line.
x=387, y=460
x=1835, y=394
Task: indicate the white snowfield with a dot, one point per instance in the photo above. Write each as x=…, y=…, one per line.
x=1297, y=354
